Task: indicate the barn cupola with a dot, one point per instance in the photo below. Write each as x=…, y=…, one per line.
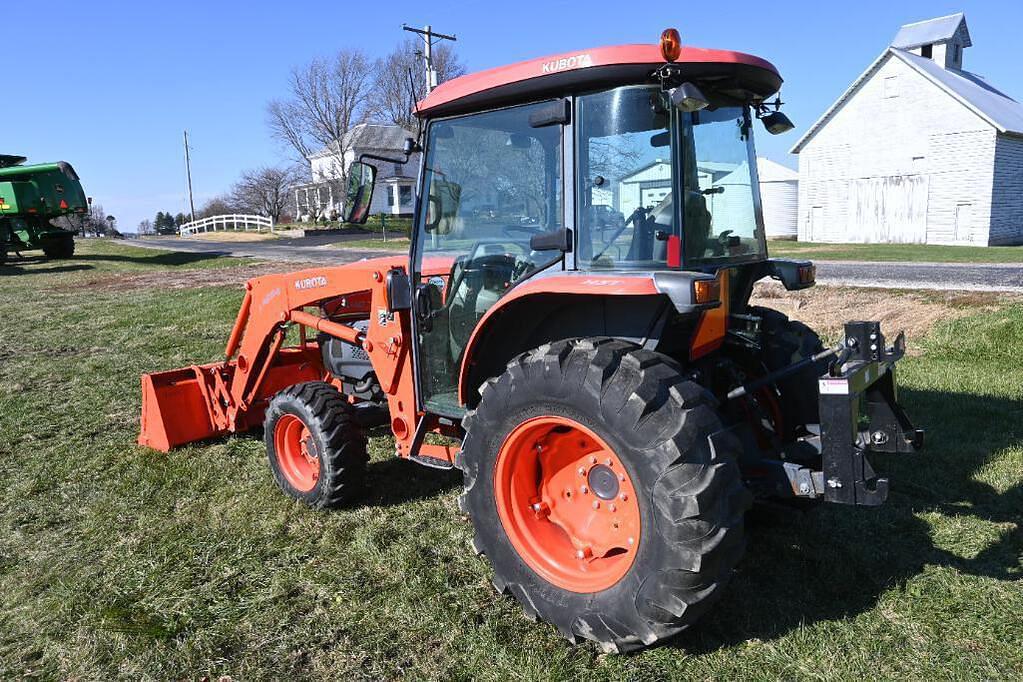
x=942, y=40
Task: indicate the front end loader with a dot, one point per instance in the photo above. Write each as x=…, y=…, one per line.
x=572, y=328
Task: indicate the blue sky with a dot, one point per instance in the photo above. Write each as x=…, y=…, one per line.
x=110, y=86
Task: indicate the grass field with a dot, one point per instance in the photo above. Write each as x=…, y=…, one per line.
x=898, y=252
x=118, y=562
x=392, y=244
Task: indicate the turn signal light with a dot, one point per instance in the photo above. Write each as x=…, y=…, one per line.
x=671, y=44
x=807, y=274
x=706, y=291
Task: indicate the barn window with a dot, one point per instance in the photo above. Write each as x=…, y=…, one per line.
x=891, y=87
x=927, y=51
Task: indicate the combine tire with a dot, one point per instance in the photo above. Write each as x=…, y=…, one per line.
x=317, y=452
x=786, y=342
x=603, y=491
x=60, y=248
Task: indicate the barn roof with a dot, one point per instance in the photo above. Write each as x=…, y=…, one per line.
x=999, y=110
x=929, y=32
x=991, y=104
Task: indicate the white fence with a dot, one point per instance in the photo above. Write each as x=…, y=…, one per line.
x=234, y=221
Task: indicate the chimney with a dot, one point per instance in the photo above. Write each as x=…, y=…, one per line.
x=941, y=40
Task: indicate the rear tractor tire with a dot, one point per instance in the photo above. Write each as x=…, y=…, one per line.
x=785, y=343
x=316, y=450
x=603, y=491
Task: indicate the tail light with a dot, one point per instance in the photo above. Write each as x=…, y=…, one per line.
x=807, y=274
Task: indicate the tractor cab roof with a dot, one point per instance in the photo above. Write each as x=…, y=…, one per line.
x=735, y=74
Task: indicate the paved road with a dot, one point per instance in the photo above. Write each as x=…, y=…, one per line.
x=955, y=276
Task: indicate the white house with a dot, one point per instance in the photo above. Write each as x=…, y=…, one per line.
x=323, y=197
x=916, y=150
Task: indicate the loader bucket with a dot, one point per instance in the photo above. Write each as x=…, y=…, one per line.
x=175, y=409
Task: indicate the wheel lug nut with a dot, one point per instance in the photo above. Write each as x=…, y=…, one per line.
x=621, y=477
x=584, y=490
x=624, y=497
x=608, y=462
x=582, y=471
x=593, y=459
x=596, y=505
x=612, y=507
x=584, y=553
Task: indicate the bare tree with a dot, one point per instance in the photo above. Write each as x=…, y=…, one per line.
x=393, y=98
x=145, y=227
x=219, y=205
x=327, y=98
x=266, y=191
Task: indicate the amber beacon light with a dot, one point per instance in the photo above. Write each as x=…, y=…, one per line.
x=671, y=44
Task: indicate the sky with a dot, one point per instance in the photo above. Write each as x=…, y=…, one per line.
x=111, y=86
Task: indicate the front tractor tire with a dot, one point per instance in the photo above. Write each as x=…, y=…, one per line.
x=316, y=450
x=603, y=491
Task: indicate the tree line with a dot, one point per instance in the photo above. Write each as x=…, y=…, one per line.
x=325, y=99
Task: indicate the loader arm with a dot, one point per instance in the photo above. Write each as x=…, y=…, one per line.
x=204, y=401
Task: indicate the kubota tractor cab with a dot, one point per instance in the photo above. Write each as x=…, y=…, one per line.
x=573, y=327
x=30, y=196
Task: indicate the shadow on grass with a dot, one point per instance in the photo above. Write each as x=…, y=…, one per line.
x=170, y=259
x=397, y=481
x=17, y=266
x=833, y=562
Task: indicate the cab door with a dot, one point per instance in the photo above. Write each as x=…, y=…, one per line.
x=491, y=181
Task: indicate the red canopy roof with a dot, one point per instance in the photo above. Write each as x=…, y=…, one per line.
x=583, y=66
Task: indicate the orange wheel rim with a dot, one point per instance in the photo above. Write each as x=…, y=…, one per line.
x=567, y=504
x=297, y=454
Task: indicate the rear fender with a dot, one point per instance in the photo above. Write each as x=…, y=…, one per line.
x=565, y=305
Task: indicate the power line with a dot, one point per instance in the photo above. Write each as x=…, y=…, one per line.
x=429, y=38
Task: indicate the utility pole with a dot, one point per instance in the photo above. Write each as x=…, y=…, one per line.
x=188, y=172
x=429, y=38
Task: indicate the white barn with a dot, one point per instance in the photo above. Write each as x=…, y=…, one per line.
x=916, y=150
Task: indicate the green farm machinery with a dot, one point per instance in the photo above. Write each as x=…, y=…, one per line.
x=30, y=197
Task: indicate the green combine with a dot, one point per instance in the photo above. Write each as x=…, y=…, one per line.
x=31, y=196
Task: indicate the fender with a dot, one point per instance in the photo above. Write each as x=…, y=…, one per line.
x=522, y=316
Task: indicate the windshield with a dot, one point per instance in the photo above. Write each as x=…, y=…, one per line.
x=630, y=147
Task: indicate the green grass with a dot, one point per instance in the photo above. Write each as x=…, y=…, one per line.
x=898, y=252
x=392, y=244
x=118, y=562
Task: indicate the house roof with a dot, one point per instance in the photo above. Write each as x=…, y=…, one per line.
x=369, y=136
x=998, y=109
x=939, y=30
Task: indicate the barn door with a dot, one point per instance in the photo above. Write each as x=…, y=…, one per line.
x=890, y=209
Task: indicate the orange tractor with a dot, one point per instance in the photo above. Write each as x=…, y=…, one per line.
x=572, y=330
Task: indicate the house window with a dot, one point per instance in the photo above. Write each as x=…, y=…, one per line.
x=927, y=51
x=405, y=195
x=390, y=198
x=891, y=87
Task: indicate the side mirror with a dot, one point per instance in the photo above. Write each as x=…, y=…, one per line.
x=361, y=179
